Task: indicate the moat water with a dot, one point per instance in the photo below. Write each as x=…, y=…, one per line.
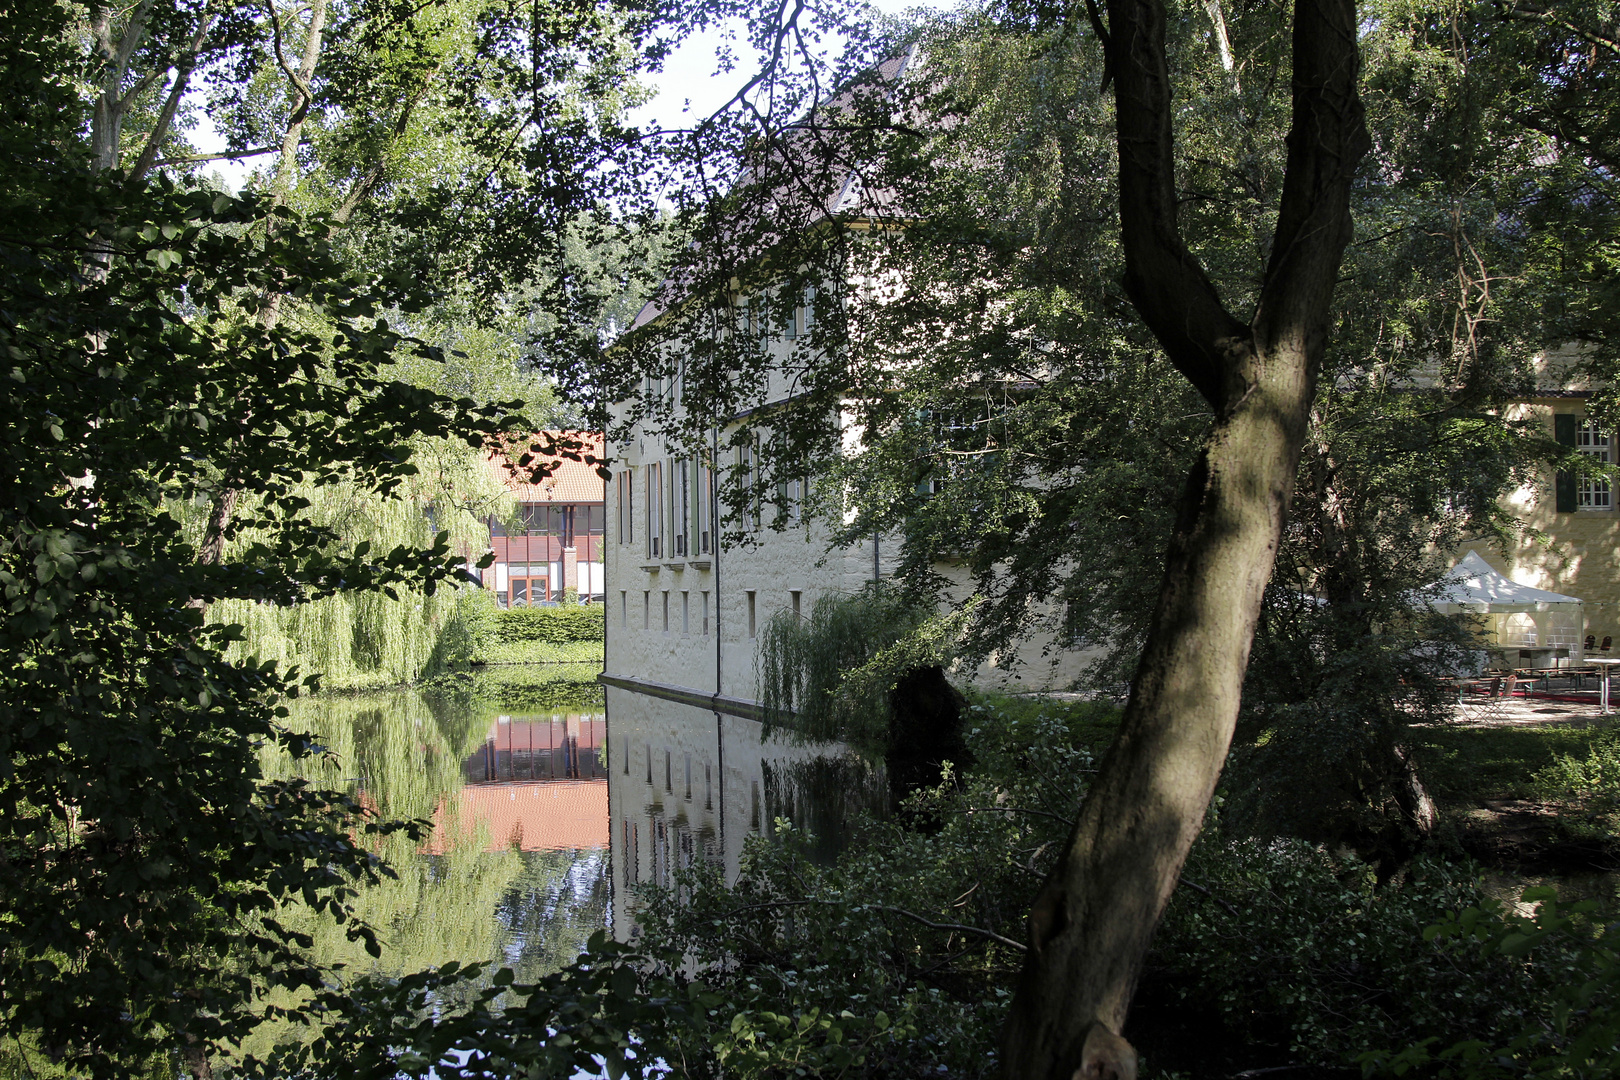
x=538, y=828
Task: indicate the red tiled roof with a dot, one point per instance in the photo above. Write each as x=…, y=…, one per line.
x=539, y=815
x=571, y=482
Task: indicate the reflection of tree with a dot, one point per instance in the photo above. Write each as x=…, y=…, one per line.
x=823, y=796
x=402, y=754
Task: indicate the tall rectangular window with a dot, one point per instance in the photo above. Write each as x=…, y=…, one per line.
x=705, y=613
x=790, y=496
x=623, y=490
x=1593, y=492
x=795, y=596
x=802, y=316
x=646, y=610
x=758, y=325
x=624, y=609
x=748, y=487
x=680, y=506
x=753, y=624
x=666, y=611
x=655, y=510
x=686, y=613
x=705, y=509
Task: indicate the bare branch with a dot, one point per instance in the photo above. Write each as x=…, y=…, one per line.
x=192, y=159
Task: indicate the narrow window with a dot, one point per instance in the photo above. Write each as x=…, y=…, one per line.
x=748, y=487
x=621, y=490
x=753, y=626
x=680, y=506
x=686, y=613
x=705, y=509
x=795, y=595
x=624, y=744
x=1593, y=492
x=655, y=511
x=688, y=777
x=753, y=805
x=708, y=786
x=666, y=611
x=649, y=764
x=705, y=613
x=624, y=609
x=669, y=784
x=757, y=324
x=646, y=610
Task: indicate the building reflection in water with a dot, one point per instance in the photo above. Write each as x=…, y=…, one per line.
x=687, y=784
x=537, y=783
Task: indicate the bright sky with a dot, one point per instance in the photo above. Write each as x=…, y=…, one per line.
x=688, y=77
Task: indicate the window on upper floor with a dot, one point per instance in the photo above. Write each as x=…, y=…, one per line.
x=802, y=315
x=1594, y=492
x=790, y=497
x=748, y=487
x=759, y=325
x=680, y=506
x=705, y=509
x=624, y=491
x=655, y=510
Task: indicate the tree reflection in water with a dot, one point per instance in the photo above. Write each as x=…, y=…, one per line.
x=512, y=870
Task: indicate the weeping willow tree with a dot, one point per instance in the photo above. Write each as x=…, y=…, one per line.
x=368, y=638
x=829, y=677
x=404, y=753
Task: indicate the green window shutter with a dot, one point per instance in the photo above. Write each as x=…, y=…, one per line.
x=1564, y=483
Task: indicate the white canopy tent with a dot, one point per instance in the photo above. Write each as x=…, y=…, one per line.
x=1523, y=616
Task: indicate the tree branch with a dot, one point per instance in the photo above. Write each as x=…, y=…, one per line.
x=1165, y=282
x=192, y=159
x=1325, y=144
x=182, y=78
x=979, y=931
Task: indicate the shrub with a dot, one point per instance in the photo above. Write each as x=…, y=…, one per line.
x=1301, y=957
x=1594, y=781
x=1576, y=1030
x=567, y=622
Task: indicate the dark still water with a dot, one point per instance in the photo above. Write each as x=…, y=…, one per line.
x=543, y=824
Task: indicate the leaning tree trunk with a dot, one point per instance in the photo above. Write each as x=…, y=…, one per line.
x=1094, y=917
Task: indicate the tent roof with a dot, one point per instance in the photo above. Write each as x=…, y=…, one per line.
x=1472, y=585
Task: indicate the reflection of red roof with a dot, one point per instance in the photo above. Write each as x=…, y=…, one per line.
x=572, y=482
x=568, y=815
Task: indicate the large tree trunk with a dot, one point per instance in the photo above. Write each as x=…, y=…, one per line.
x=1094, y=917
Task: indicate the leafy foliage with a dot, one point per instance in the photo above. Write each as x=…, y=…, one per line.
x=1572, y=953
x=828, y=677
x=890, y=959
x=147, y=855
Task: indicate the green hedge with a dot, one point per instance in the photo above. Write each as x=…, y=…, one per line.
x=570, y=622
